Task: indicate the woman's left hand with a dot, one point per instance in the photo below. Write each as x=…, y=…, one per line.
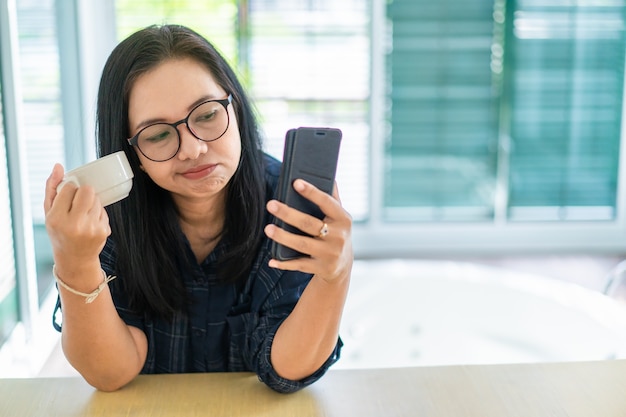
x=330, y=255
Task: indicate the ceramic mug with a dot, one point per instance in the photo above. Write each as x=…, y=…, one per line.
x=111, y=176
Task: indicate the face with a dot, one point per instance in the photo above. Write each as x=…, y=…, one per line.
x=168, y=93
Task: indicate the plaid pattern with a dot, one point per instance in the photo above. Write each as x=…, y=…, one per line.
x=222, y=328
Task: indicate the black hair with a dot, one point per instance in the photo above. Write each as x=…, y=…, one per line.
x=145, y=229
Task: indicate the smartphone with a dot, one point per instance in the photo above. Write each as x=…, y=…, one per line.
x=311, y=154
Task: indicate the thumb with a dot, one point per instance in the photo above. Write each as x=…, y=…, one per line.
x=52, y=183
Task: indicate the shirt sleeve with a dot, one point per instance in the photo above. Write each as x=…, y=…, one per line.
x=107, y=260
x=268, y=375
x=273, y=297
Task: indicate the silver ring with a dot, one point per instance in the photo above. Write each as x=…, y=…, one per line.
x=323, y=231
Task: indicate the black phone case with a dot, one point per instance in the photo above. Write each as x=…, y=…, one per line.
x=311, y=154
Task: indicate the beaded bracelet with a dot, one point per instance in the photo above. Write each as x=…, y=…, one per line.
x=89, y=297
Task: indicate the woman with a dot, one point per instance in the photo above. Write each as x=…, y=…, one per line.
x=196, y=289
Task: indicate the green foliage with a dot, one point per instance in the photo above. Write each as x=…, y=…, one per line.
x=214, y=19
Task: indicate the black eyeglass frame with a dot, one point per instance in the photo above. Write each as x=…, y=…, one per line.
x=134, y=141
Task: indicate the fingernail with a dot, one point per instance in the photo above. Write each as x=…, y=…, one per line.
x=299, y=185
x=272, y=207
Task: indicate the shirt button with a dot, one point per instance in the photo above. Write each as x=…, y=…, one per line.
x=197, y=332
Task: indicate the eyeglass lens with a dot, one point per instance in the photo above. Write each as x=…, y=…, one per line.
x=161, y=141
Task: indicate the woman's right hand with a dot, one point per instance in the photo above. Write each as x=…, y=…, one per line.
x=77, y=224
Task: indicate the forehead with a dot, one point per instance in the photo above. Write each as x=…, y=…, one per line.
x=169, y=90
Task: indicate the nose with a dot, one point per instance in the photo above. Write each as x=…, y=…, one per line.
x=190, y=146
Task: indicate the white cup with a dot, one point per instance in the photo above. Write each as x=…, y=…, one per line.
x=111, y=176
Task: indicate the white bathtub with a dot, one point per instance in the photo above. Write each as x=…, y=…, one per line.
x=414, y=313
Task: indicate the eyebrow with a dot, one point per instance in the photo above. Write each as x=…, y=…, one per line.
x=149, y=122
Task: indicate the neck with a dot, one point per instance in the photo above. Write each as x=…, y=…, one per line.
x=202, y=222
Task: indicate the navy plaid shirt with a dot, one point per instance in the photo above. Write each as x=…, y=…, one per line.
x=222, y=328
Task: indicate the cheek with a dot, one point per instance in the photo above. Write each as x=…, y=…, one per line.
x=230, y=154
x=236, y=154
x=232, y=143
x=235, y=140
x=237, y=149
x=157, y=171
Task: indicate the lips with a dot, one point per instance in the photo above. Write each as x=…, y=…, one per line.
x=198, y=172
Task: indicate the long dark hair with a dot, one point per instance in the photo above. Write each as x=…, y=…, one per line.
x=145, y=226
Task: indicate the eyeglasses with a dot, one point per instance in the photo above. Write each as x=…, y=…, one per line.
x=208, y=121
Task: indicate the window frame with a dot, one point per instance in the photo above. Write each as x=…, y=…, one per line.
x=23, y=239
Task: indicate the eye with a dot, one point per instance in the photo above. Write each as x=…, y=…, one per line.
x=206, y=116
x=156, y=134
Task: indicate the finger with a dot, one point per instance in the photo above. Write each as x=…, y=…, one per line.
x=52, y=183
x=324, y=256
x=302, y=221
x=86, y=201
x=335, y=193
x=300, y=243
x=64, y=197
x=103, y=219
x=327, y=203
x=306, y=265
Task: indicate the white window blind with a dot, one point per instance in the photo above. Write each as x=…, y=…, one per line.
x=42, y=113
x=309, y=65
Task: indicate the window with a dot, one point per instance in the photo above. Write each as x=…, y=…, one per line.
x=508, y=109
x=41, y=89
x=488, y=126
x=8, y=284
x=308, y=63
x=441, y=159
x=566, y=87
x=42, y=113
x=214, y=19
x=294, y=57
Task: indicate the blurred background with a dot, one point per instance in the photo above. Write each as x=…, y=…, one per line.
x=487, y=131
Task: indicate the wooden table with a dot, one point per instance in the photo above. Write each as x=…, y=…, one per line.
x=584, y=389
